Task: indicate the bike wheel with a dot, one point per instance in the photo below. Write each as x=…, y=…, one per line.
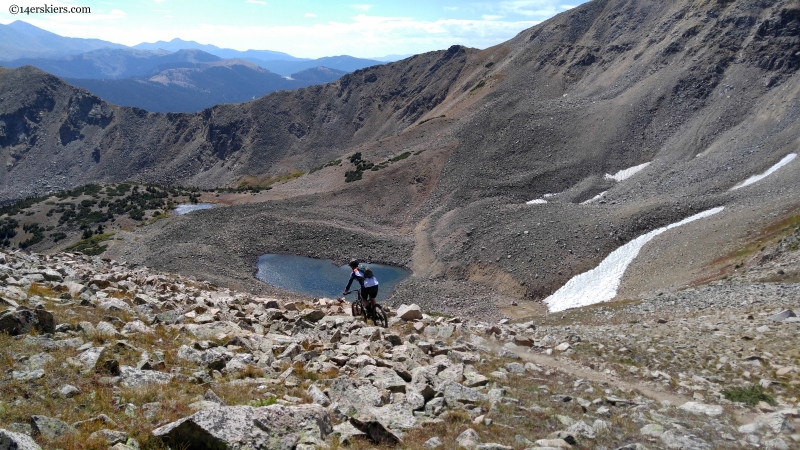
x=356, y=308
x=379, y=316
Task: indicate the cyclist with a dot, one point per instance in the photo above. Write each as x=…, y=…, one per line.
x=356, y=275
x=370, y=290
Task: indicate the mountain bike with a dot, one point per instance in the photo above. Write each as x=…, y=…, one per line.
x=376, y=313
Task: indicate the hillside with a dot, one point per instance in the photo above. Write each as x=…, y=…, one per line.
x=453, y=144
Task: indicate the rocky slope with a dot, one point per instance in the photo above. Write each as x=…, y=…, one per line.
x=99, y=355
x=703, y=91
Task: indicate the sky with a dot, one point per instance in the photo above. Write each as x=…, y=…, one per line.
x=302, y=28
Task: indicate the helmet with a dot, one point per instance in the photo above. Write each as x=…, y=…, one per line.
x=353, y=263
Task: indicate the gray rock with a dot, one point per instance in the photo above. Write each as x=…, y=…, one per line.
x=652, y=429
x=49, y=427
x=38, y=361
x=318, y=396
x=346, y=431
x=375, y=431
x=702, y=408
x=69, y=391
x=673, y=439
x=493, y=446
x=273, y=426
x=454, y=392
x=132, y=377
x=105, y=329
x=10, y=440
x=52, y=275
x=88, y=359
x=314, y=315
x=136, y=327
x=384, y=378
x=468, y=439
x=552, y=443
x=27, y=375
x=114, y=304
x=781, y=316
x=22, y=321
x=409, y=312
x=110, y=437
x=433, y=442
x=354, y=395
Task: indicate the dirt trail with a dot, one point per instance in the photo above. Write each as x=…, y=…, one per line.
x=581, y=371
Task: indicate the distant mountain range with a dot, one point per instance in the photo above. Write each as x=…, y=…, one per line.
x=191, y=89
x=174, y=76
x=22, y=40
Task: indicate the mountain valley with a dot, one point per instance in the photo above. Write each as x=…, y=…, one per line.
x=496, y=176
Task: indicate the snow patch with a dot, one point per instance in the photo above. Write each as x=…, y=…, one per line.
x=538, y=201
x=595, y=198
x=600, y=284
x=186, y=208
x=786, y=160
x=624, y=174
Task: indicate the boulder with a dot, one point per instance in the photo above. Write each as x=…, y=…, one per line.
x=781, y=316
x=22, y=320
x=468, y=439
x=273, y=426
x=454, y=392
x=409, y=312
x=702, y=408
x=137, y=326
x=674, y=440
x=10, y=440
x=375, y=431
x=132, y=377
x=88, y=359
x=318, y=396
x=313, y=315
x=49, y=427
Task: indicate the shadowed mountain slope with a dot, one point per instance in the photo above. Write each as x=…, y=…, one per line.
x=704, y=91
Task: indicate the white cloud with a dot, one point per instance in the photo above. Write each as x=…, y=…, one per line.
x=490, y=17
x=310, y=15
x=256, y=2
x=363, y=36
x=362, y=7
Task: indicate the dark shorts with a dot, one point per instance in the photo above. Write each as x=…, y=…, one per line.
x=369, y=292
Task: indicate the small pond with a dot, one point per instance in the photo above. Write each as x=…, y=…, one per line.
x=185, y=208
x=321, y=277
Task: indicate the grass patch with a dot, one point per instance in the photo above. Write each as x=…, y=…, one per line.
x=265, y=182
x=478, y=86
x=91, y=246
x=400, y=157
x=750, y=395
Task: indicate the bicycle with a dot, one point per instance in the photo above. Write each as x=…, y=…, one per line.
x=358, y=308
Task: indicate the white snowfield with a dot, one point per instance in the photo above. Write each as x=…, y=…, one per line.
x=600, y=284
x=538, y=201
x=624, y=174
x=786, y=160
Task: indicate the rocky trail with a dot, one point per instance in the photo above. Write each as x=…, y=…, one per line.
x=98, y=354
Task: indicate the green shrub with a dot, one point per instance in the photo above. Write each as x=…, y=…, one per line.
x=750, y=395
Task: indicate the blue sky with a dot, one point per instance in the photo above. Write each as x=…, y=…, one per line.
x=303, y=28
